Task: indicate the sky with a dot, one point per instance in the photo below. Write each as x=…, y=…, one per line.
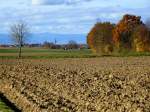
x=67, y=16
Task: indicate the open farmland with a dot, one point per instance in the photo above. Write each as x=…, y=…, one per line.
x=43, y=53
x=38, y=53
x=107, y=84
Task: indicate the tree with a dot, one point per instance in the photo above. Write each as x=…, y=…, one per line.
x=141, y=39
x=48, y=44
x=123, y=30
x=19, y=33
x=148, y=23
x=51, y=45
x=99, y=38
x=72, y=45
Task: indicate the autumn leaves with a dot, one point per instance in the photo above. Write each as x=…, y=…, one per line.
x=130, y=33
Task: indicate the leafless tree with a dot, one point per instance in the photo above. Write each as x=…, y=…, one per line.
x=148, y=23
x=72, y=44
x=19, y=32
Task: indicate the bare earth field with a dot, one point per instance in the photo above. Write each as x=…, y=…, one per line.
x=110, y=84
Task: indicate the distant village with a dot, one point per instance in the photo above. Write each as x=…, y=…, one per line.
x=50, y=45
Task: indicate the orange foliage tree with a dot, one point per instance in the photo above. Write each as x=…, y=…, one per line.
x=129, y=33
x=123, y=30
x=141, y=38
x=100, y=38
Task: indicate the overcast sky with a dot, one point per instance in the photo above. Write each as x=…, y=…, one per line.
x=67, y=16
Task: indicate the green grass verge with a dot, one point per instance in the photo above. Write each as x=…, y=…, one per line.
x=42, y=50
x=4, y=107
x=130, y=53
x=49, y=56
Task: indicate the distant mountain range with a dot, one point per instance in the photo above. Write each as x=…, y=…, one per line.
x=50, y=37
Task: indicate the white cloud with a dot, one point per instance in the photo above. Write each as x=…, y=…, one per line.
x=56, y=2
x=46, y=2
x=55, y=16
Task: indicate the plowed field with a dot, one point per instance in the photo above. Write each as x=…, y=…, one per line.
x=77, y=85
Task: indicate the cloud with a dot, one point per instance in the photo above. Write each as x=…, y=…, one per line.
x=57, y=2
x=47, y=2
x=56, y=16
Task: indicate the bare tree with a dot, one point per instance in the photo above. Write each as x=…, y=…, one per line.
x=19, y=32
x=148, y=23
x=72, y=45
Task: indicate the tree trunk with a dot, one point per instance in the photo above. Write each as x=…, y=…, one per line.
x=20, y=46
x=20, y=51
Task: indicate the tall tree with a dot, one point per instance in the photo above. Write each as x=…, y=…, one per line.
x=123, y=30
x=148, y=23
x=99, y=38
x=19, y=32
x=141, y=39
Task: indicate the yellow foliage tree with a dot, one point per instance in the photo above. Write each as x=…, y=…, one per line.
x=141, y=39
x=100, y=38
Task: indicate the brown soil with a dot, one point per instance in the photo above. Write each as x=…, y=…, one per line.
x=78, y=85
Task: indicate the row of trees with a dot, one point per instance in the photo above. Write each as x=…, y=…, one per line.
x=130, y=33
x=70, y=45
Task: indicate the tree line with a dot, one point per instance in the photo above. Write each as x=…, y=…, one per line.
x=51, y=45
x=70, y=45
x=130, y=33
